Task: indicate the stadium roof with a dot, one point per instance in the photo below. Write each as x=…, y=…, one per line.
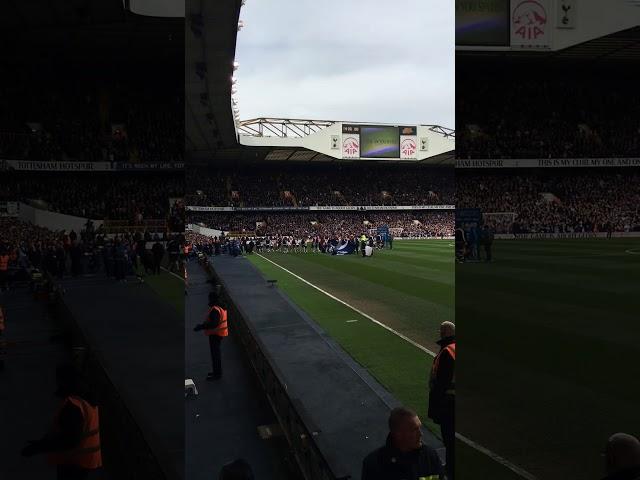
x=619, y=46
x=624, y=45
x=84, y=30
x=211, y=30
x=249, y=154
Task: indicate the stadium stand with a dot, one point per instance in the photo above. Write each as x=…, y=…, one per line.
x=555, y=201
x=308, y=185
x=115, y=196
x=335, y=224
x=77, y=119
x=545, y=115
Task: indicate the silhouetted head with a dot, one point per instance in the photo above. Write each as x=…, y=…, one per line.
x=405, y=429
x=236, y=470
x=447, y=329
x=622, y=452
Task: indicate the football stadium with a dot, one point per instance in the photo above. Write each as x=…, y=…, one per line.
x=547, y=228
x=91, y=228
x=331, y=245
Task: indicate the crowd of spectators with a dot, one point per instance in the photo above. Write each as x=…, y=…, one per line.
x=311, y=185
x=537, y=110
x=193, y=238
x=62, y=253
x=133, y=197
x=417, y=223
x=80, y=119
x=554, y=201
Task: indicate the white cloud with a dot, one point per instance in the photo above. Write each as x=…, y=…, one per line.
x=357, y=60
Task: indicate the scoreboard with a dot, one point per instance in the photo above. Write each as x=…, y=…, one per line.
x=482, y=23
x=379, y=141
x=510, y=24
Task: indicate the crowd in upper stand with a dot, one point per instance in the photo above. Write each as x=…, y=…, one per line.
x=552, y=200
x=134, y=197
x=75, y=119
x=311, y=185
x=538, y=110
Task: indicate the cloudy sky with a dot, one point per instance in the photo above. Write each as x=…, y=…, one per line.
x=382, y=61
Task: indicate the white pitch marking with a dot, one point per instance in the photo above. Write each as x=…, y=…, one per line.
x=351, y=321
x=360, y=312
x=494, y=456
x=172, y=273
x=476, y=446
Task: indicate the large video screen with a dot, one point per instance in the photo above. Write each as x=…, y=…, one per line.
x=379, y=142
x=482, y=23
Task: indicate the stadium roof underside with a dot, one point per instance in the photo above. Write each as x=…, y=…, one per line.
x=210, y=37
x=310, y=140
x=275, y=139
x=87, y=30
x=621, y=46
x=624, y=45
x=244, y=155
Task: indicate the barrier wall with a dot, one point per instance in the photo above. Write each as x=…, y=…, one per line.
x=128, y=460
x=208, y=232
x=52, y=220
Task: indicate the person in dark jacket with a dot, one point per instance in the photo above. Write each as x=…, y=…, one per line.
x=158, y=255
x=442, y=391
x=404, y=456
x=487, y=240
x=622, y=456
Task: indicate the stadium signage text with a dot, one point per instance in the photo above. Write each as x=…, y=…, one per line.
x=528, y=236
x=150, y=166
x=57, y=166
x=197, y=208
x=479, y=163
x=548, y=163
x=384, y=207
x=49, y=166
x=566, y=236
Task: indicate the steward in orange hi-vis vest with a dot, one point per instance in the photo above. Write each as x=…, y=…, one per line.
x=87, y=453
x=442, y=391
x=72, y=444
x=216, y=328
x=221, y=327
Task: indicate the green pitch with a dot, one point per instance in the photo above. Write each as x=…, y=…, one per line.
x=550, y=358
x=168, y=287
x=410, y=289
